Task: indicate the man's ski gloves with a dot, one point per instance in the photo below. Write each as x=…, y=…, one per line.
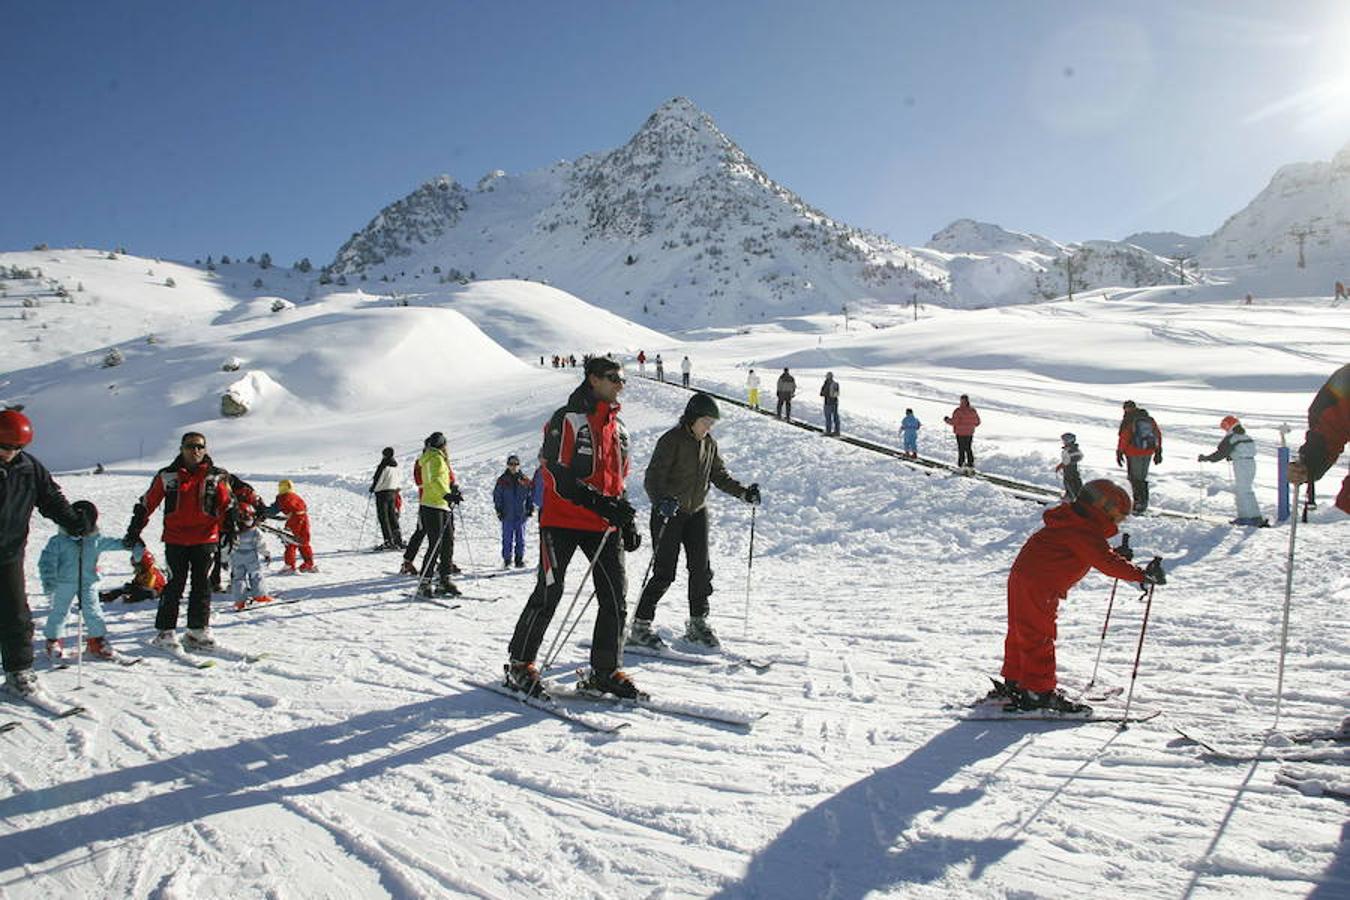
x=617, y=511
x=631, y=539
x=1153, y=572
x=667, y=507
x=752, y=494
x=1157, y=457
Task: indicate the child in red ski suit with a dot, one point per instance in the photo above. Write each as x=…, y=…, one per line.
x=289, y=504
x=1053, y=560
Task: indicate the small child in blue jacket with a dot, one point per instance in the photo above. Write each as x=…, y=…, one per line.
x=909, y=433
x=69, y=567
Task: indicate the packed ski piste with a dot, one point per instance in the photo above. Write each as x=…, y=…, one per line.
x=656, y=638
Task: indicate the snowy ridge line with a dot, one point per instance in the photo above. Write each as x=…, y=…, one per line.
x=1021, y=490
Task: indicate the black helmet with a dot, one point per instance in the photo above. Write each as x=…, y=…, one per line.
x=436, y=439
x=700, y=405
x=88, y=510
x=388, y=451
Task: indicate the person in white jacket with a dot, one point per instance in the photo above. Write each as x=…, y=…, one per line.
x=385, y=486
x=752, y=389
x=1238, y=447
x=685, y=368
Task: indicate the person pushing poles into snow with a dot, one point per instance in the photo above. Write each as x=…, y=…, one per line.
x=685, y=462
x=1053, y=560
x=1238, y=447
x=585, y=464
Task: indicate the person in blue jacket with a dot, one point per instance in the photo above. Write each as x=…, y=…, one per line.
x=514, y=498
x=909, y=433
x=68, y=567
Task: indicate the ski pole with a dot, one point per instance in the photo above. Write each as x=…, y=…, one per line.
x=1284, y=628
x=749, y=566
x=79, y=632
x=365, y=516
x=455, y=509
x=559, y=638
x=652, y=562
x=1125, y=543
x=1148, y=606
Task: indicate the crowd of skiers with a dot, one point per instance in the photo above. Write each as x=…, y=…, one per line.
x=580, y=492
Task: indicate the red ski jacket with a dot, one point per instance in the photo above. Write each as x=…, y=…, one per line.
x=1329, y=430
x=964, y=420
x=1072, y=542
x=194, y=501
x=585, y=451
x=297, y=517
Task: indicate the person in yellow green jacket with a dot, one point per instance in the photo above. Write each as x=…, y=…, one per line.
x=440, y=494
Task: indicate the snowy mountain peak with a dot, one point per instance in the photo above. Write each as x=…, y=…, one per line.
x=970, y=236
x=418, y=219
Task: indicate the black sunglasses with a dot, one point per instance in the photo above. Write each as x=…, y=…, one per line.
x=11, y=447
x=615, y=377
x=194, y=446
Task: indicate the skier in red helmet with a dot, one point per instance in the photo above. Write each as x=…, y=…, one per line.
x=24, y=484
x=1054, y=559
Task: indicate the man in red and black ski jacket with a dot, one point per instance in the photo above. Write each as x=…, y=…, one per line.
x=196, y=496
x=1328, y=432
x=585, y=463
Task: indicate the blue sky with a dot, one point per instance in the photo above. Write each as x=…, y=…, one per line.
x=185, y=128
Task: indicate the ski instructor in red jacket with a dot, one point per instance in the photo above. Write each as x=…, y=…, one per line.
x=1054, y=559
x=196, y=496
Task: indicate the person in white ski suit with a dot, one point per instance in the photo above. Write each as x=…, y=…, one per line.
x=1238, y=447
x=686, y=367
x=246, y=565
x=752, y=389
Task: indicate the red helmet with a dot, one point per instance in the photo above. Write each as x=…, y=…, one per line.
x=1108, y=495
x=147, y=558
x=15, y=428
x=1228, y=423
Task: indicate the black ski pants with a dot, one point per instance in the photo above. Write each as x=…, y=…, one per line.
x=439, y=527
x=16, y=619
x=784, y=406
x=183, y=561
x=965, y=453
x=388, y=516
x=556, y=547
x=690, y=531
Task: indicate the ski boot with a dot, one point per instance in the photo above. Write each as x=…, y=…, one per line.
x=408, y=568
x=1007, y=691
x=614, y=682
x=642, y=635
x=524, y=677
x=22, y=683
x=1053, y=701
x=199, y=639
x=446, y=589
x=55, y=652
x=520, y=563
x=455, y=570
x=506, y=564
x=698, y=631
x=167, y=640
x=99, y=648
x=309, y=567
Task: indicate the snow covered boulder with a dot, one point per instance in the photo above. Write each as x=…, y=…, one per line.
x=280, y=303
x=231, y=365
x=245, y=394
x=113, y=357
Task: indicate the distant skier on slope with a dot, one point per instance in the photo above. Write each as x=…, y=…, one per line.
x=513, y=498
x=385, y=486
x=909, y=434
x=1239, y=447
x=586, y=461
x=964, y=420
x=786, y=388
x=1069, y=458
x=752, y=390
x=1138, y=443
x=686, y=368
x=685, y=462
x=1054, y=559
x=829, y=394
x=660, y=369
x=642, y=363
x=1328, y=432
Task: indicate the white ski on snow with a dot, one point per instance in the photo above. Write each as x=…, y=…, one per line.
x=553, y=708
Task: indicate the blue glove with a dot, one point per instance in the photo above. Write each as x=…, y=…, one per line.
x=668, y=507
